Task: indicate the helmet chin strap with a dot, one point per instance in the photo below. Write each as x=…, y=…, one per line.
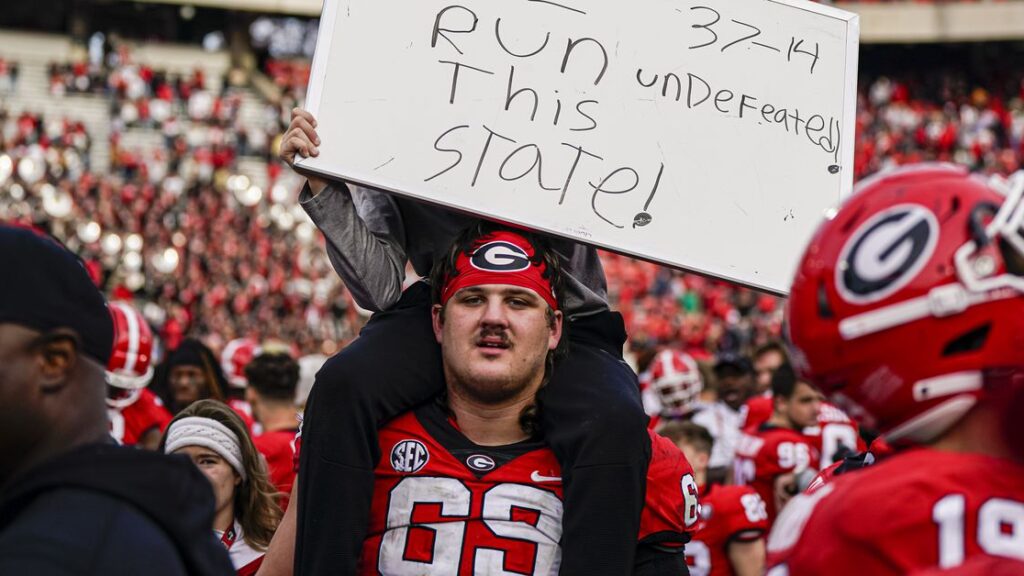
x=972, y=289
x=126, y=401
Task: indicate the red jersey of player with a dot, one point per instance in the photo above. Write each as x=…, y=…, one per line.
x=733, y=519
x=834, y=430
x=278, y=447
x=909, y=306
x=770, y=458
x=133, y=418
x=443, y=504
x=923, y=508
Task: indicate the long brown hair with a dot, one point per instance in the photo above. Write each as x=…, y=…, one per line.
x=255, y=502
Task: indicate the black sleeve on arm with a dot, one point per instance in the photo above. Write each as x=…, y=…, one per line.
x=652, y=560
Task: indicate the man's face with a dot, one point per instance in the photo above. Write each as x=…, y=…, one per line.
x=494, y=341
x=803, y=407
x=734, y=388
x=23, y=418
x=764, y=366
x=188, y=384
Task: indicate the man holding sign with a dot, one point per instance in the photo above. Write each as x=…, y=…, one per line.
x=592, y=418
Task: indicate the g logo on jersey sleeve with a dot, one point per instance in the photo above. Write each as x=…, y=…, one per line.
x=409, y=456
x=885, y=253
x=500, y=256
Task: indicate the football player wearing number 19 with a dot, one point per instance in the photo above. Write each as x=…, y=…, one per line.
x=466, y=484
x=908, y=308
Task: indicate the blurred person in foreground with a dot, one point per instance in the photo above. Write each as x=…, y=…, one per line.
x=137, y=415
x=216, y=439
x=73, y=502
x=733, y=519
x=595, y=422
x=273, y=378
x=908, y=307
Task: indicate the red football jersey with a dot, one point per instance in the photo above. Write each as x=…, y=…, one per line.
x=913, y=511
x=129, y=423
x=244, y=411
x=727, y=514
x=444, y=505
x=769, y=453
x=278, y=447
x=759, y=410
x=834, y=428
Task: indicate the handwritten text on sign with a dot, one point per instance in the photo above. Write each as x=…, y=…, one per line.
x=640, y=132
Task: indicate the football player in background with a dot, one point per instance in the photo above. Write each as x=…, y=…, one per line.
x=670, y=387
x=466, y=484
x=137, y=416
x=734, y=383
x=733, y=519
x=908, y=307
x=771, y=457
x=235, y=356
x=272, y=379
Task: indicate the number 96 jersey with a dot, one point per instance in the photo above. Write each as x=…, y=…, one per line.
x=916, y=511
x=444, y=505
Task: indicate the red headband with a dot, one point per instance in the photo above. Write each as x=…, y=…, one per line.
x=500, y=258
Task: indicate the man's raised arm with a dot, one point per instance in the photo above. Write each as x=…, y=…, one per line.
x=363, y=228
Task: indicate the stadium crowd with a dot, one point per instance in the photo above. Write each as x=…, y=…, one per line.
x=223, y=296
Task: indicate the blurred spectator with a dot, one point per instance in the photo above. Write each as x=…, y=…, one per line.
x=215, y=438
x=734, y=383
x=190, y=373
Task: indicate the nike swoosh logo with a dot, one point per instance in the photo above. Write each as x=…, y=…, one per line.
x=536, y=477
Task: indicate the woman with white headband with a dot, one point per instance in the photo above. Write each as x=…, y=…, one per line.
x=218, y=442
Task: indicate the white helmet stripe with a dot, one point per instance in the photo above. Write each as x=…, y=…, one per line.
x=134, y=338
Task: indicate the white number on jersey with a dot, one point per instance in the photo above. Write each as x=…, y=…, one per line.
x=692, y=512
x=754, y=507
x=1000, y=528
x=698, y=558
x=116, y=424
x=743, y=471
x=832, y=437
x=456, y=501
x=794, y=456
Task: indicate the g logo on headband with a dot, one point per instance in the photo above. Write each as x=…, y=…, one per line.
x=886, y=253
x=500, y=256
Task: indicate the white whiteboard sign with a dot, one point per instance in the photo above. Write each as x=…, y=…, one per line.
x=708, y=135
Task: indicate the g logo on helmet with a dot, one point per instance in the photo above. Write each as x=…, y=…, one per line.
x=885, y=253
x=500, y=256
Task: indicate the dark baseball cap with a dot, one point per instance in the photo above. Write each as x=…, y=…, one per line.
x=733, y=361
x=44, y=287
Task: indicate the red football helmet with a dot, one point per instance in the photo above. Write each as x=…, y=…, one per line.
x=131, y=361
x=235, y=357
x=910, y=295
x=675, y=378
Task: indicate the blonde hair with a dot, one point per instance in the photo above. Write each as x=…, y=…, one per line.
x=256, y=508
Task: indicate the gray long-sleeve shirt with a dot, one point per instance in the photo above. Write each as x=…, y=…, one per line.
x=370, y=234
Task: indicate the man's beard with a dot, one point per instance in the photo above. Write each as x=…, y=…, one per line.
x=490, y=392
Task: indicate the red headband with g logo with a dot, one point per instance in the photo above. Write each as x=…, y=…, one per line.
x=500, y=258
